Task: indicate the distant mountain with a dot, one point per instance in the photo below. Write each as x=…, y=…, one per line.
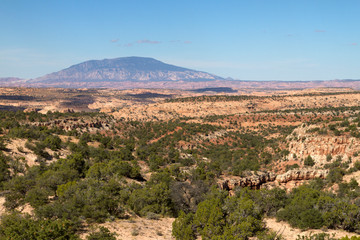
x=10, y=79
x=12, y=82
x=123, y=69
x=140, y=72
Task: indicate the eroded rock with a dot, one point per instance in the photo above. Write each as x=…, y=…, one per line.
x=257, y=180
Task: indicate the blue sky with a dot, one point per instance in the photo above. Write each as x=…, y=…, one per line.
x=242, y=39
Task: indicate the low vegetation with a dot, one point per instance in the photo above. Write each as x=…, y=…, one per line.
x=90, y=168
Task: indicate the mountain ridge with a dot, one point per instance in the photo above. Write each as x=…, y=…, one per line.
x=145, y=72
x=125, y=69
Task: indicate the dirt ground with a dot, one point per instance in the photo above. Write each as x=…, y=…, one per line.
x=290, y=233
x=140, y=229
x=355, y=175
x=2, y=208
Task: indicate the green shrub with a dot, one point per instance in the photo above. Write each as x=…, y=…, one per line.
x=312, y=208
x=335, y=175
x=271, y=235
x=37, y=196
x=357, y=165
x=209, y=218
x=290, y=167
x=182, y=227
x=155, y=199
x=53, y=142
x=301, y=211
x=351, y=238
x=220, y=217
x=4, y=168
x=309, y=161
x=268, y=201
x=317, y=236
x=15, y=226
x=2, y=144
x=90, y=199
x=102, y=233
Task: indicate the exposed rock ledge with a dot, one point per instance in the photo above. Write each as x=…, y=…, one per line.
x=256, y=180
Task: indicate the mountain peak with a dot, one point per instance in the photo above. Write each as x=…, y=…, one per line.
x=128, y=63
x=125, y=69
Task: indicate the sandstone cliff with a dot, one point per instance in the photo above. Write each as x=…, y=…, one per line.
x=304, y=141
x=268, y=179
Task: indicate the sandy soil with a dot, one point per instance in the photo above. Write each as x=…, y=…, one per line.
x=140, y=229
x=2, y=208
x=23, y=209
x=355, y=175
x=17, y=149
x=72, y=139
x=15, y=144
x=290, y=233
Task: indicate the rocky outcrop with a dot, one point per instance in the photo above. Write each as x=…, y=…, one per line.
x=301, y=174
x=305, y=141
x=28, y=110
x=257, y=180
x=69, y=124
x=253, y=180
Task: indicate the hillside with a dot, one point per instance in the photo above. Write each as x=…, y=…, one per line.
x=159, y=164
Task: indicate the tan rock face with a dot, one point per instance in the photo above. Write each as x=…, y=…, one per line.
x=303, y=143
x=253, y=181
x=266, y=179
x=301, y=174
x=27, y=110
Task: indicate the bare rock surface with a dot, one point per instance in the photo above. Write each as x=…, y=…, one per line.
x=304, y=142
x=253, y=180
x=301, y=174
x=267, y=179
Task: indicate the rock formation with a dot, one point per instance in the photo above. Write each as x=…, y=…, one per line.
x=257, y=180
x=304, y=142
x=301, y=174
x=69, y=124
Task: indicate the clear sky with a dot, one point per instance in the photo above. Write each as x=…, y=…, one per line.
x=242, y=39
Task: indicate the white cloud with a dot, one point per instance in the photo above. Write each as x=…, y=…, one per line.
x=147, y=41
